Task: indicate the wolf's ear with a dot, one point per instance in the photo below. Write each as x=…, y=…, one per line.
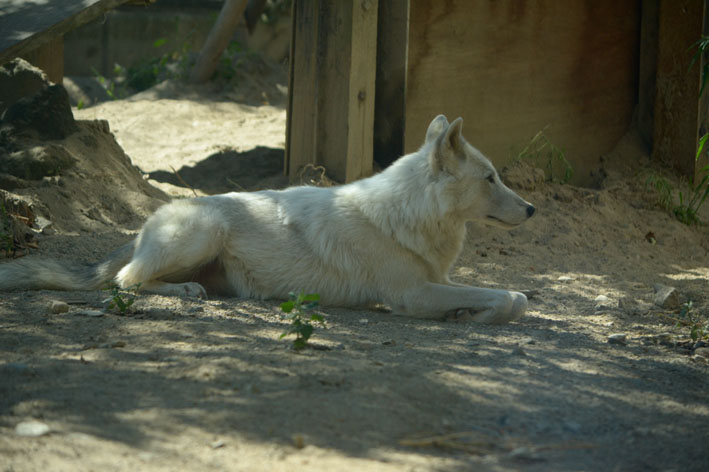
x=449, y=149
x=453, y=139
x=437, y=126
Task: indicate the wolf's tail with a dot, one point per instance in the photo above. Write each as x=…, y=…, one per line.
x=36, y=274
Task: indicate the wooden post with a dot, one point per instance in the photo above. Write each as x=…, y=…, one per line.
x=50, y=58
x=390, y=106
x=332, y=82
x=681, y=115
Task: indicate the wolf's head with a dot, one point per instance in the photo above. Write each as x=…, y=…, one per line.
x=468, y=180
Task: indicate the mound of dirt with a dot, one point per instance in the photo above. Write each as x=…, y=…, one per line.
x=73, y=173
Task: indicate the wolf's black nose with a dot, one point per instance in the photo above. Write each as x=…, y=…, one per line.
x=530, y=211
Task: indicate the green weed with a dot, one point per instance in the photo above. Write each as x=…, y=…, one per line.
x=695, y=322
x=7, y=241
x=543, y=153
x=122, y=300
x=298, y=311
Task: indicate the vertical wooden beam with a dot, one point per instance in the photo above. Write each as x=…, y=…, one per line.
x=50, y=58
x=649, y=24
x=301, y=120
x=390, y=106
x=680, y=113
x=333, y=63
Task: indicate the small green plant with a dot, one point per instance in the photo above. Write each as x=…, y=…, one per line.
x=299, y=311
x=697, y=323
x=663, y=188
x=7, y=241
x=545, y=154
x=122, y=300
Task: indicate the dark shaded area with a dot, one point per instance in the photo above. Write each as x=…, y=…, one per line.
x=231, y=171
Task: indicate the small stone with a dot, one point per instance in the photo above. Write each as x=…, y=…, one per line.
x=90, y=313
x=219, y=443
x=59, y=307
x=618, y=338
x=298, y=441
x=702, y=352
x=32, y=429
x=518, y=351
x=667, y=297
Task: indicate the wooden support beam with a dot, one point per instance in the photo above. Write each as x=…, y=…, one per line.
x=26, y=26
x=332, y=83
x=390, y=106
x=680, y=114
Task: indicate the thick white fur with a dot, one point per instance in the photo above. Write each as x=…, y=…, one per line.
x=391, y=238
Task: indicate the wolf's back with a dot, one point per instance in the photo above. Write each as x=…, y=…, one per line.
x=33, y=273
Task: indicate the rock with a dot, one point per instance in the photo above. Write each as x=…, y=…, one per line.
x=298, y=441
x=43, y=225
x=18, y=79
x=32, y=429
x=58, y=306
x=702, y=352
x=667, y=297
x=219, y=443
x=603, y=303
x=518, y=351
x=618, y=338
x=90, y=313
x=46, y=114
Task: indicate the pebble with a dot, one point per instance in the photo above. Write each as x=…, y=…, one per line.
x=217, y=444
x=90, y=313
x=298, y=441
x=702, y=352
x=32, y=429
x=518, y=351
x=58, y=306
x=618, y=338
x=667, y=297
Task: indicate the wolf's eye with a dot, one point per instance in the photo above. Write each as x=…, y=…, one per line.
x=490, y=178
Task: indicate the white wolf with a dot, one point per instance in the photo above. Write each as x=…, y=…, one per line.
x=391, y=238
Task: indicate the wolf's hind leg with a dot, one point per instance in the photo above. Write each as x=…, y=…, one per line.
x=172, y=246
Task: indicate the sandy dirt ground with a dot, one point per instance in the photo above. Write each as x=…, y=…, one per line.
x=182, y=384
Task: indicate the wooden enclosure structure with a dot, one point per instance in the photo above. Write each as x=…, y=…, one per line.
x=367, y=77
x=35, y=31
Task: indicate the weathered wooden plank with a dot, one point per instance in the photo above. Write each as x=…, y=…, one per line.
x=332, y=87
x=513, y=68
x=348, y=70
x=389, y=108
x=302, y=124
x=25, y=26
x=680, y=116
x=649, y=25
